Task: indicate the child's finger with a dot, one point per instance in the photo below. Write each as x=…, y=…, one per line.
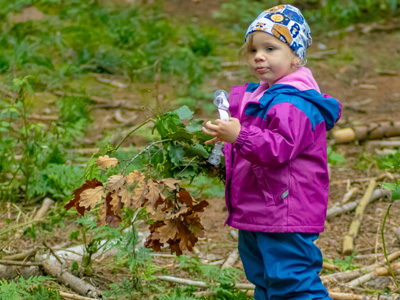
x=212, y=141
x=211, y=126
x=209, y=132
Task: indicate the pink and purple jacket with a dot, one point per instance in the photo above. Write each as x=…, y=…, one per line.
x=276, y=171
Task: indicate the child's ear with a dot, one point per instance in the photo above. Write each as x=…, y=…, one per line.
x=296, y=62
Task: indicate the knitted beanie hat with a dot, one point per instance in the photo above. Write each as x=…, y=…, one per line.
x=286, y=23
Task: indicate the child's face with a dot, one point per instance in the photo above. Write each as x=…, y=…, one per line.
x=270, y=59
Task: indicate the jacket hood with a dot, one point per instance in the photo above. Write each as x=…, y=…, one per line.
x=302, y=84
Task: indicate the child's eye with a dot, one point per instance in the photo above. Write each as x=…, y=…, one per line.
x=253, y=50
x=270, y=48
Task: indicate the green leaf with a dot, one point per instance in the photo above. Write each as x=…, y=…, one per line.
x=196, y=150
x=176, y=153
x=194, y=126
x=184, y=112
x=395, y=188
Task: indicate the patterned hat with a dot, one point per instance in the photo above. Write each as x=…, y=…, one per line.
x=286, y=23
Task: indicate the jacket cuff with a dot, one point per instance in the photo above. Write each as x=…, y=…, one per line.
x=241, y=139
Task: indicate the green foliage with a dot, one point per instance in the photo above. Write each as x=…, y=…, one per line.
x=346, y=263
x=391, y=163
x=87, y=36
x=222, y=281
x=333, y=13
x=27, y=289
x=335, y=158
x=35, y=151
x=183, y=155
x=94, y=238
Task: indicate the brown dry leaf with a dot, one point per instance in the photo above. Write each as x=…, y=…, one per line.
x=187, y=238
x=106, y=161
x=139, y=195
x=175, y=215
x=200, y=206
x=90, y=197
x=115, y=182
x=116, y=205
x=112, y=219
x=153, y=195
x=102, y=214
x=134, y=176
x=170, y=182
x=185, y=197
x=107, y=215
x=89, y=184
x=168, y=231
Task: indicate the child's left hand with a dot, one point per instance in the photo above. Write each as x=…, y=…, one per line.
x=222, y=131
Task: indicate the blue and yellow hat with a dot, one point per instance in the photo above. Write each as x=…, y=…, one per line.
x=286, y=23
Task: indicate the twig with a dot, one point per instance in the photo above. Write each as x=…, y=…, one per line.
x=47, y=202
x=242, y=286
x=19, y=263
x=74, y=297
x=231, y=260
x=53, y=252
x=349, y=194
x=20, y=256
x=384, y=244
x=348, y=242
x=141, y=152
x=328, y=266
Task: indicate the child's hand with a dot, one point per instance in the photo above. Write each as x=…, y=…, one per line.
x=222, y=131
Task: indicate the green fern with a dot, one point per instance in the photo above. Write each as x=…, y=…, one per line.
x=27, y=289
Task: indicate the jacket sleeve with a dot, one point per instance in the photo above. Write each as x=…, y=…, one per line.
x=288, y=133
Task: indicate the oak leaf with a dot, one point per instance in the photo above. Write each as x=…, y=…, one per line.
x=185, y=197
x=89, y=184
x=107, y=215
x=171, y=183
x=106, y=161
x=166, y=232
x=90, y=197
x=134, y=176
x=115, y=182
x=153, y=196
x=116, y=204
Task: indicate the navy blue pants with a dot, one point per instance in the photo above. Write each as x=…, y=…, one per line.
x=282, y=265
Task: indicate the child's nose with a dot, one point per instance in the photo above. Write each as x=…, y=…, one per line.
x=259, y=57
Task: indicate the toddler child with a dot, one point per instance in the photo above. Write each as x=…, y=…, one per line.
x=277, y=181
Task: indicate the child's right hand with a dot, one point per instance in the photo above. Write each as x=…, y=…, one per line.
x=222, y=131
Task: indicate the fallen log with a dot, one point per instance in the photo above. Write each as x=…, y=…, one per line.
x=352, y=274
x=340, y=209
x=383, y=271
x=348, y=242
x=79, y=286
x=368, y=132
